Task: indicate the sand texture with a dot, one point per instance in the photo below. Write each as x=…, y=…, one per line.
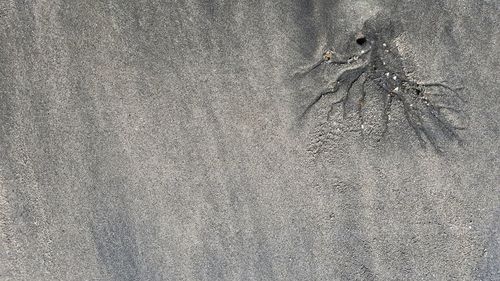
x=249, y=140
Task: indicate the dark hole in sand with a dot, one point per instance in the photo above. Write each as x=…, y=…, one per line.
x=361, y=40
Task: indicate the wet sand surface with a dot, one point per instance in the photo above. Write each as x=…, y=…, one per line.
x=146, y=140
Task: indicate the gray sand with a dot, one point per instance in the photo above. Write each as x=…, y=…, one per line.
x=142, y=140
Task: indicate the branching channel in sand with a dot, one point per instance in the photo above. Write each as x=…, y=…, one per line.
x=382, y=66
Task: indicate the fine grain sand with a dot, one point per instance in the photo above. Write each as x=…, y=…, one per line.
x=162, y=140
